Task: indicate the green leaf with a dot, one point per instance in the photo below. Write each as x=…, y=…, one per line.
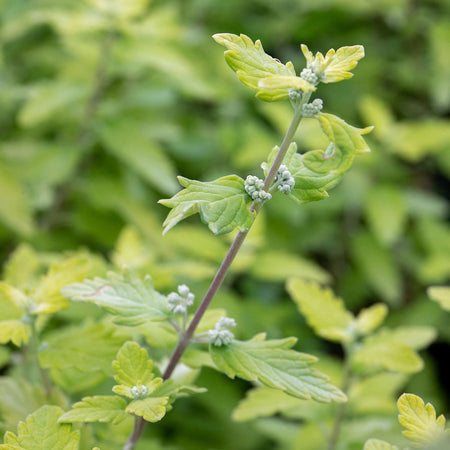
x=383, y=351
x=86, y=347
x=324, y=312
x=223, y=204
x=264, y=402
x=132, y=366
x=15, y=331
x=275, y=365
x=15, y=211
x=22, y=268
x=335, y=65
x=100, y=408
x=318, y=171
x=378, y=267
x=422, y=426
x=41, y=431
x=440, y=294
x=276, y=265
x=147, y=158
x=131, y=300
x=386, y=213
x=47, y=296
x=369, y=319
x=376, y=444
x=152, y=409
x=259, y=71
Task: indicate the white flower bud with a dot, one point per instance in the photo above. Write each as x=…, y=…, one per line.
x=308, y=75
x=221, y=335
x=179, y=302
x=139, y=391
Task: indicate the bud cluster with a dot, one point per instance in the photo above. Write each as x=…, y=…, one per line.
x=284, y=180
x=309, y=75
x=221, y=335
x=139, y=391
x=180, y=301
x=254, y=187
x=313, y=108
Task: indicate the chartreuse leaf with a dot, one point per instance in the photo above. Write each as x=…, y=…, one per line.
x=22, y=268
x=85, y=347
x=133, y=372
x=100, y=408
x=274, y=364
x=131, y=300
x=259, y=71
x=335, y=65
x=422, y=426
x=376, y=444
x=393, y=350
x=152, y=409
x=12, y=327
x=440, y=294
x=317, y=171
x=223, y=204
x=324, y=312
x=369, y=319
x=47, y=298
x=41, y=431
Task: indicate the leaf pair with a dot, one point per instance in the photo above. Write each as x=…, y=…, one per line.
x=150, y=397
x=273, y=80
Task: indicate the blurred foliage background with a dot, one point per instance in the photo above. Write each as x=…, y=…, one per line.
x=103, y=103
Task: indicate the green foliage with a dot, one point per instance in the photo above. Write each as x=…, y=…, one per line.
x=132, y=301
x=376, y=444
x=440, y=294
x=223, y=204
x=274, y=364
x=41, y=430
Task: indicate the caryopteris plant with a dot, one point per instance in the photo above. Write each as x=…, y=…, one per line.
x=146, y=388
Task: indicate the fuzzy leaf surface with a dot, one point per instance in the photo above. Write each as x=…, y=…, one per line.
x=223, y=204
x=41, y=431
x=131, y=300
x=323, y=311
x=274, y=364
x=259, y=71
x=422, y=426
x=100, y=408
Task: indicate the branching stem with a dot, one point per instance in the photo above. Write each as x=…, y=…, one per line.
x=186, y=337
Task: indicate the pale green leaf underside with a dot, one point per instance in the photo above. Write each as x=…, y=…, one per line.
x=376, y=444
x=131, y=300
x=132, y=366
x=223, y=204
x=324, y=312
x=254, y=67
x=41, y=431
x=440, y=294
x=100, y=408
x=274, y=364
x=152, y=409
x=315, y=172
x=422, y=426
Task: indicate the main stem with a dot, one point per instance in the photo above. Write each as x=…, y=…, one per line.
x=185, y=338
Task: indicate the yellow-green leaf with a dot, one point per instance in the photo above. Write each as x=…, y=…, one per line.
x=251, y=63
x=41, y=431
x=377, y=444
x=324, y=312
x=369, y=319
x=335, y=66
x=14, y=331
x=422, y=426
x=440, y=294
x=100, y=408
x=152, y=409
